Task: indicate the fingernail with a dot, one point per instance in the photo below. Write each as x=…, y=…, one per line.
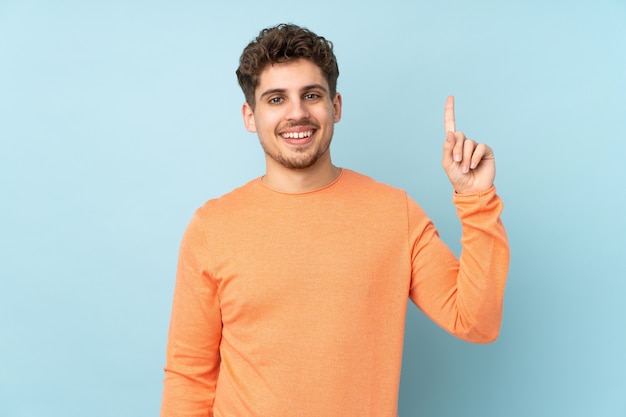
x=457, y=158
x=464, y=169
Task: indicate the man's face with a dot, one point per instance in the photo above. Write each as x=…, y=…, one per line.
x=294, y=115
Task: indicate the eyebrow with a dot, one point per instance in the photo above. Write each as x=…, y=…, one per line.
x=303, y=89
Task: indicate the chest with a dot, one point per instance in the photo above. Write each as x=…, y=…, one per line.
x=291, y=261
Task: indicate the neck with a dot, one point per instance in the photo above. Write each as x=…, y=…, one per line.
x=295, y=181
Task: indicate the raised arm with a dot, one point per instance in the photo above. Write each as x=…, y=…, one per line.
x=464, y=296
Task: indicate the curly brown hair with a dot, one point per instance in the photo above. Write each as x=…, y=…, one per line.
x=283, y=43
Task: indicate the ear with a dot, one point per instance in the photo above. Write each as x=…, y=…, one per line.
x=248, y=118
x=337, y=103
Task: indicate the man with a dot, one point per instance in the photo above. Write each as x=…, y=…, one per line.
x=291, y=290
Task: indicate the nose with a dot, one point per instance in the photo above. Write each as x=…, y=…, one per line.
x=297, y=110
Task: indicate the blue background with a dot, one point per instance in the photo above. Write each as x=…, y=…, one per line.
x=118, y=119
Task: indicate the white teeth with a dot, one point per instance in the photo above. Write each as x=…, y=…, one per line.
x=298, y=135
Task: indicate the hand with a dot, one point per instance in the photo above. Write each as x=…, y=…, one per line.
x=471, y=166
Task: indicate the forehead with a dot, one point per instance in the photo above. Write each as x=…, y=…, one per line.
x=291, y=75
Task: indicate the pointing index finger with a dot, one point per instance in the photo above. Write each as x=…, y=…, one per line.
x=448, y=115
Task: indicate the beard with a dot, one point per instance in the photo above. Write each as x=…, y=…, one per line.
x=304, y=158
x=301, y=157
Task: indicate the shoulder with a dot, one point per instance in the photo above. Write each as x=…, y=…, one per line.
x=379, y=194
x=240, y=196
x=225, y=209
x=371, y=187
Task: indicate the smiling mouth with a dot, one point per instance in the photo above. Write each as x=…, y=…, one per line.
x=297, y=135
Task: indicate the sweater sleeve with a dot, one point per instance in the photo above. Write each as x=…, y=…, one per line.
x=192, y=357
x=463, y=296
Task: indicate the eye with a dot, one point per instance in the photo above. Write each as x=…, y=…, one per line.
x=275, y=100
x=311, y=96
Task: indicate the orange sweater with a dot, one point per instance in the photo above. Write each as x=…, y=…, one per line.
x=294, y=304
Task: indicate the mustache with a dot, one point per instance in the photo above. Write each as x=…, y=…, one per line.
x=299, y=123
